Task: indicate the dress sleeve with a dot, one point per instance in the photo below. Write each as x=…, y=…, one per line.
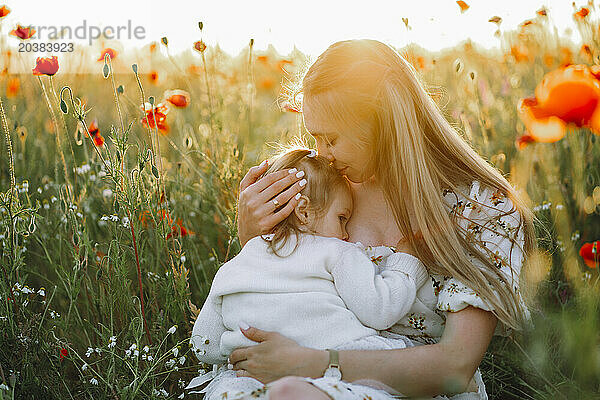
x=493, y=225
x=379, y=300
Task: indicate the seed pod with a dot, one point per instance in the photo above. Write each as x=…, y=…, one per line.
x=200, y=25
x=134, y=68
x=63, y=107
x=155, y=171
x=105, y=71
x=120, y=89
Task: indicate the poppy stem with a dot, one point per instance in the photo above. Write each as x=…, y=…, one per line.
x=57, y=135
x=139, y=273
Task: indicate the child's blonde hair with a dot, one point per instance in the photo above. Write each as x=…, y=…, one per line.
x=323, y=183
x=362, y=83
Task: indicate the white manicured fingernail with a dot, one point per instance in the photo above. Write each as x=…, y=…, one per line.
x=291, y=171
x=300, y=174
x=302, y=182
x=243, y=325
x=297, y=196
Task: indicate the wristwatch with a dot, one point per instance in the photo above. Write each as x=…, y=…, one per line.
x=333, y=369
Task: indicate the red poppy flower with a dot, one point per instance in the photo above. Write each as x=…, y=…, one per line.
x=200, y=46
x=23, y=32
x=12, y=88
x=4, y=11
x=153, y=77
x=179, y=98
x=63, y=353
x=112, y=53
x=160, y=114
x=586, y=51
x=463, y=6
x=281, y=64
x=95, y=133
x=179, y=230
x=567, y=95
x=46, y=66
x=523, y=141
x=520, y=52
x=582, y=13
x=589, y=252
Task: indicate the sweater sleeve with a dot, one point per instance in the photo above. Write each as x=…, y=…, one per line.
x=207, y=331
x=378, y=300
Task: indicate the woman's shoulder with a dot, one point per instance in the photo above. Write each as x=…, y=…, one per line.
x=478, y=202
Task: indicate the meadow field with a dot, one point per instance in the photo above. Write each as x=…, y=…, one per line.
x=118, y=193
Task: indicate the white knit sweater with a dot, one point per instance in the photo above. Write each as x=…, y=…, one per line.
x=325, y=293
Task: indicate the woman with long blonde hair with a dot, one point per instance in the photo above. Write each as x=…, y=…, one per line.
x=418, y=187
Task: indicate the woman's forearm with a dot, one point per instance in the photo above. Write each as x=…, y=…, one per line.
x=443, y=368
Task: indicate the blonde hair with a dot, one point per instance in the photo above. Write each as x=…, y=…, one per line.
x=323, y=183
x=360, y=81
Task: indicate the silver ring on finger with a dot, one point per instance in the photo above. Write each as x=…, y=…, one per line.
x=275, y=203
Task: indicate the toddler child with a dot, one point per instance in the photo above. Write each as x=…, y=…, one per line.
x=306, y=282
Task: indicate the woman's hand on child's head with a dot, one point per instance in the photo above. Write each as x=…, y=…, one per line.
x=265, y=202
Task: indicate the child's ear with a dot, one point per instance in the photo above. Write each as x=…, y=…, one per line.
x=302, y=209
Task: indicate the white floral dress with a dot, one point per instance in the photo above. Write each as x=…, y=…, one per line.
x=492, y=224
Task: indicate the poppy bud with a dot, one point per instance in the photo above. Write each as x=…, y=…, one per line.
x=164, y=40
x=120, y=89
x=63, y=107
x=200, y=25
x=105, y=71
x=134, y=68
x=155, y=171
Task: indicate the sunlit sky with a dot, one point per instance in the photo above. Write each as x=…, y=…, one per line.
x=310, y=25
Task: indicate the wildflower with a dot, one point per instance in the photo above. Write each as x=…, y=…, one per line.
x=160, y=115
x=95, y=133
x=4, y=11
x=42, y=292
x=146, y=349
x=46, y=66
x=179, y=98
x=98, y=350
x=153, y=77
x=84, y=366
x=463, y=6
x=112, y=53
x=170, y=363
x=567, y=95
x=520, y=52
x=23, y=32
x=54, y=314
x=589, y=253
x=12, y=87
x=150, y=358
x=94, y=381
x=63, y=353
x=200, y=46
x=582, y=13
x=182, y=360
x=89, y=352
x=172, y=330
x=178, y=229
x=181, y=396
x=112, y=342
x=3, y=386
x=175, y=352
